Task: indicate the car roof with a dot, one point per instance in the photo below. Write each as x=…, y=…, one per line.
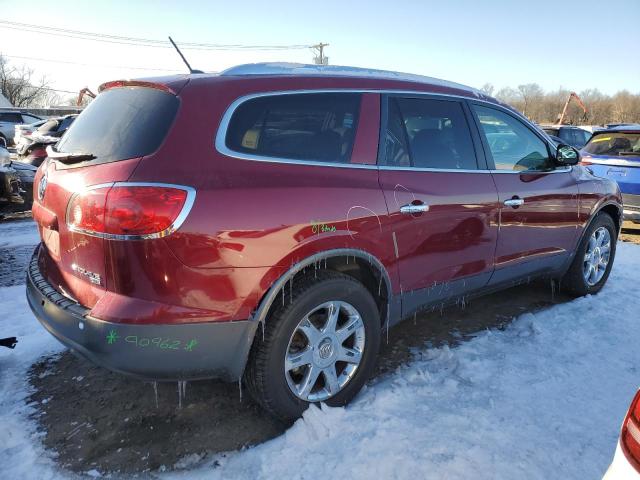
x=621, y=129
x=290, y=76
x=302, y=69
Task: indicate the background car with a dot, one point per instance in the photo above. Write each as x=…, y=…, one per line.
x=626, y=462
x=9, y=119
x=575, y=136
x=33, y=149
x=10, y=184
x=615, y=153
x=23, y=130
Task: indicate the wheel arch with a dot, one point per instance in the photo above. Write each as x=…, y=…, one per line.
x=357, y=263
x=611, y=208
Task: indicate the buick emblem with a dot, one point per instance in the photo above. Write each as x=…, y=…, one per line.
x=42, y=186
x=326, y=349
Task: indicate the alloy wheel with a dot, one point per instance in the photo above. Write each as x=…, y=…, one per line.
x=597, y=256
x=324, y=351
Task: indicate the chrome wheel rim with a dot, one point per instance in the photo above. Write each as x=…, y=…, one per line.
x=597, y=256
x=324, y=351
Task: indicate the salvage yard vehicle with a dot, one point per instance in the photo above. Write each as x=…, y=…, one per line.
x=10, y=185
x=575, y=136
x=615, y=153
x=9, y=118
x=270, y=222
x=33, y=149
x=23, y=130
x=626, y=461
x=16, y=184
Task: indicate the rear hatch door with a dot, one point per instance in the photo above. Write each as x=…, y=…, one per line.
x=104, y=145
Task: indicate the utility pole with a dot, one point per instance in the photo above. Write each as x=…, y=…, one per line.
x=320, y=59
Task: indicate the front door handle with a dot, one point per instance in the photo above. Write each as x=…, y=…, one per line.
x=514, y=202
x=415, y=207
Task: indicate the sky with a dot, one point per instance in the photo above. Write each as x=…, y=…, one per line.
x=575, y=45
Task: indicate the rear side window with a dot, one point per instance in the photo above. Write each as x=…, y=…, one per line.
x=121, y=123
x=66, y=123
x=311, y=126
x=426, y=133
x=10, y=117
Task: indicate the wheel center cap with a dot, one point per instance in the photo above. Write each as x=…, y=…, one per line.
x=325, y=348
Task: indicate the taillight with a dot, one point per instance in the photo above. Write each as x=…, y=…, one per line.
x=630, y=435
x=129, y=211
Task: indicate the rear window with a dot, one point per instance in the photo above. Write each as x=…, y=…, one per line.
x=121, y=123
x=312, y=126
x=615, y=144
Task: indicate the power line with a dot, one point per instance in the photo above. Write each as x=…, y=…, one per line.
x=136, y=41
x=89, y=64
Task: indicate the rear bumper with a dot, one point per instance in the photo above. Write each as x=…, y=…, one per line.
x=187, y=351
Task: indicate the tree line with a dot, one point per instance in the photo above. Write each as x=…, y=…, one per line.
x=546, y=107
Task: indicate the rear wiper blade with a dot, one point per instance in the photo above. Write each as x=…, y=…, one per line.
x=68, y=157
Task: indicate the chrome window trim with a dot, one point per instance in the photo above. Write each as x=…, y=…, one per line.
x=221, y=134
x=555, y=170
x=220, y=140
x=434, y=170
x=182, y=216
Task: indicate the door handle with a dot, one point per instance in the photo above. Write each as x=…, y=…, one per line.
x=414, y=208
x=514, y=202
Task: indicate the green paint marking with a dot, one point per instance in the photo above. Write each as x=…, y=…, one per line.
x=190, y=345
x=318, y=227
x=112, y=337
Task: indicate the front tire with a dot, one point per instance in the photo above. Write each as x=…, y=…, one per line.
x=592, y=263
x=320, y=346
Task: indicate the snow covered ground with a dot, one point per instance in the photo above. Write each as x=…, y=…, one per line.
x=542, y=399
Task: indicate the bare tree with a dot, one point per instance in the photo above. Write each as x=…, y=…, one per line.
x=531, y=93
x=20, y=88
x=488, y=89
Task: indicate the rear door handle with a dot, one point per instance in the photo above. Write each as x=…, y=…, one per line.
x=414, y=208
x=514, y=202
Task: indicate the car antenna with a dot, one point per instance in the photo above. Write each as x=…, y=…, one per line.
x=191, y=70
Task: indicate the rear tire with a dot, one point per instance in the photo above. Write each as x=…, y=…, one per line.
x=594, y=258
x=300, y=342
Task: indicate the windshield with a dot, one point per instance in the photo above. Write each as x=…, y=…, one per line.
x=615, y=144
x=121, y=123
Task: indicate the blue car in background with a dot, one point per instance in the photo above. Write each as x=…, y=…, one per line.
x=614, y=153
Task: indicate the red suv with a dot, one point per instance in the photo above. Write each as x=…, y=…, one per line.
x=268, y=223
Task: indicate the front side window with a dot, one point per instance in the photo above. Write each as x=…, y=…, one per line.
x=308, y=126
x=426, y=133
x=513, y=146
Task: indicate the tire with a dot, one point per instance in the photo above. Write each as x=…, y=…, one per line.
x=314, y=297
x=575, y=281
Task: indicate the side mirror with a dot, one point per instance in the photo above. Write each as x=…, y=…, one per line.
x=3, y=142
x=567, y=155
